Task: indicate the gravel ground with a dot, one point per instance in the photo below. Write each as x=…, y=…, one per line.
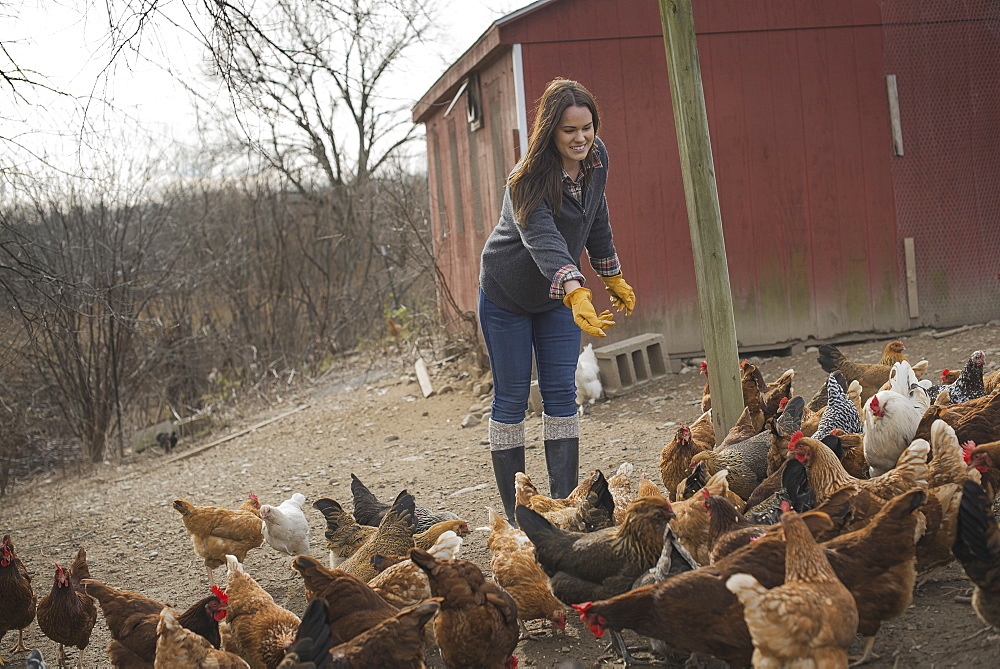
x=384, y=431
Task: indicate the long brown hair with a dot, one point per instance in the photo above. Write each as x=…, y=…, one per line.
x=539, y=174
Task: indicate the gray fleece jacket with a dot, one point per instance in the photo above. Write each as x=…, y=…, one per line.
x=519, y=263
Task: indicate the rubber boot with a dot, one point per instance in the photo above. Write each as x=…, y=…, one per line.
x=562, y=458
x=561, y=435
x=507, y=452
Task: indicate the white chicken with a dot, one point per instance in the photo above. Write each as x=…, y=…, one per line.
x=890, y=423
x=285, y=526
x=588, y=378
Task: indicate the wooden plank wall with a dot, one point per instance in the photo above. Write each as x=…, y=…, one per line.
x=457, y=247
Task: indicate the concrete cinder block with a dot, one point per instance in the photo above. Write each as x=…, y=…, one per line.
x=632, y=362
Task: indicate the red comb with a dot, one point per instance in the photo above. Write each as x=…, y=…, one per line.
x=795, y=439
x=252, y=496
x=785, y=506
x=217, y=591
x=944, y=373
x=967, y=449
x=705, y=493
x=582, y=608
x=784, y=401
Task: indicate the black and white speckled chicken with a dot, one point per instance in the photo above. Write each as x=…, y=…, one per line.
x=369, y=510
x=840, y=410
x=969, y=384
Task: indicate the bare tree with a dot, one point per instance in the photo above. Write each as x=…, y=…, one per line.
x=79, y=275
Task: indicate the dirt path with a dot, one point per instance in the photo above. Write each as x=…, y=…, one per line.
x=392, y=438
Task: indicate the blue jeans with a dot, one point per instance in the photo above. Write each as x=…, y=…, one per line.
x=510, y=338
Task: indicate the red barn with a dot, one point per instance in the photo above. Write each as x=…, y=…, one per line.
x=856, y=147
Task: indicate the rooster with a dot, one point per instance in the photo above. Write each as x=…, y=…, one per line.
x=588, y=378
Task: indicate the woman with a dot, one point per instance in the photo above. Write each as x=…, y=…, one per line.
x=531, y=293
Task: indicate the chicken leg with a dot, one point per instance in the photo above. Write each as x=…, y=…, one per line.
x=866, y=654
x=211, y=576
x=19, y=645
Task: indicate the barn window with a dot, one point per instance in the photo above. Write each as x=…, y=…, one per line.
x=456, y=179
x=473, y=102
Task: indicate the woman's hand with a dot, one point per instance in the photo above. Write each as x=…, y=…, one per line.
x=622, y=295
x=584, y=314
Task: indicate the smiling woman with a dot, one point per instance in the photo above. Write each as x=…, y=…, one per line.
x=531, y=300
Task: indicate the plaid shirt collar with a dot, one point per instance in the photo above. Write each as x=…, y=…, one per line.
x=576, y=186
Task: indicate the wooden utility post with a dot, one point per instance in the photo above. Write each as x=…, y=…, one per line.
x=718, y=328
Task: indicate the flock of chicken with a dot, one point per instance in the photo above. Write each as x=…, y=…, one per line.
x=805, y=525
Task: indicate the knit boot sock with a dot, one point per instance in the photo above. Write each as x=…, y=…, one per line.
x=507, y=452
x=562, y=453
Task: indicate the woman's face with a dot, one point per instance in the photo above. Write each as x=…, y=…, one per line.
x=574, y=136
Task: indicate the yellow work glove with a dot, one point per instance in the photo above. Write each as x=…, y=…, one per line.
x=585, y=315
x=622, y=295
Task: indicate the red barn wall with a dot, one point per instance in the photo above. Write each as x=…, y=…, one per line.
x=801, y=146
x=808, y=186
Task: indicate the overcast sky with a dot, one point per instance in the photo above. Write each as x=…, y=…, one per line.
x=66, y=45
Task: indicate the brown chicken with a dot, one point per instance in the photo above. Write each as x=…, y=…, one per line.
x=477, y=624
x=694, y=612
x=810, y=619
x=603, y=563
x=951, y=414
x=258, y=629
x=827, y=474
x=67, y=614
x=984, y=458
x=594, y=512
x=133, y=618
x=728, y=529
x=15, y=591
x=528, y=495
x=870, y=376
x=402, y=583
x=647, y=488
x=691, y=524
x=621, y=490
x=516, y=570
x=177, y=647
x=396, y=642
x=393, y=537
x=217, y=532
x=354, y=606
x=977, y=547
x=706, y=393
x=852, y=453
x=344, y=535
x=775, y=392
x=675, y=457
